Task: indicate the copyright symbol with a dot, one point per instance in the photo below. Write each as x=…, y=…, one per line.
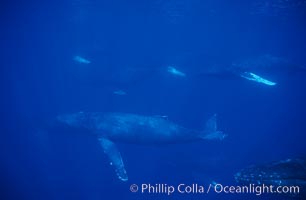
x=134, y=188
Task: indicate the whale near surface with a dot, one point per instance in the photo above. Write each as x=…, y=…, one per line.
x=111, y=128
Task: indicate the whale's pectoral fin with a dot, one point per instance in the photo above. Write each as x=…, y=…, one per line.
x=254, y=77
x=114, y=155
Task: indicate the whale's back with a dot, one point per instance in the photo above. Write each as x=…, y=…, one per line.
x=134, y=128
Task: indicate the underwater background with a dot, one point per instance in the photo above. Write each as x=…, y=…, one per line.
x=114, y=56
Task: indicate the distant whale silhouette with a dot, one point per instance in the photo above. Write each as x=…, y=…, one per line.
x=132, y=128
x=256, y=69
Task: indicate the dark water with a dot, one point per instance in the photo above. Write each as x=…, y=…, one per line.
x=129, y=45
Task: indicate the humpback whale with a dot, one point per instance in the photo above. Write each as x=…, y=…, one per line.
x=258, y=69
x=175, y=72
x=288, y=172
x=111, y=128
x=81, y=60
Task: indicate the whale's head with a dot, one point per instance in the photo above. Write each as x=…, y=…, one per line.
x=283, y=172
x=76, y=120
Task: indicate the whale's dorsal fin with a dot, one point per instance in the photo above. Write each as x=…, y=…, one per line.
x=114, y=156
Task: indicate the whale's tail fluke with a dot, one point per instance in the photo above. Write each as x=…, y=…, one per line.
x=211, y=132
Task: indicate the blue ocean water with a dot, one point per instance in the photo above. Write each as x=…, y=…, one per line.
x=114, y=56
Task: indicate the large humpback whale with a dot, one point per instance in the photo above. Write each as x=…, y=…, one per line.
x=111, y=128
x=286, y=173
